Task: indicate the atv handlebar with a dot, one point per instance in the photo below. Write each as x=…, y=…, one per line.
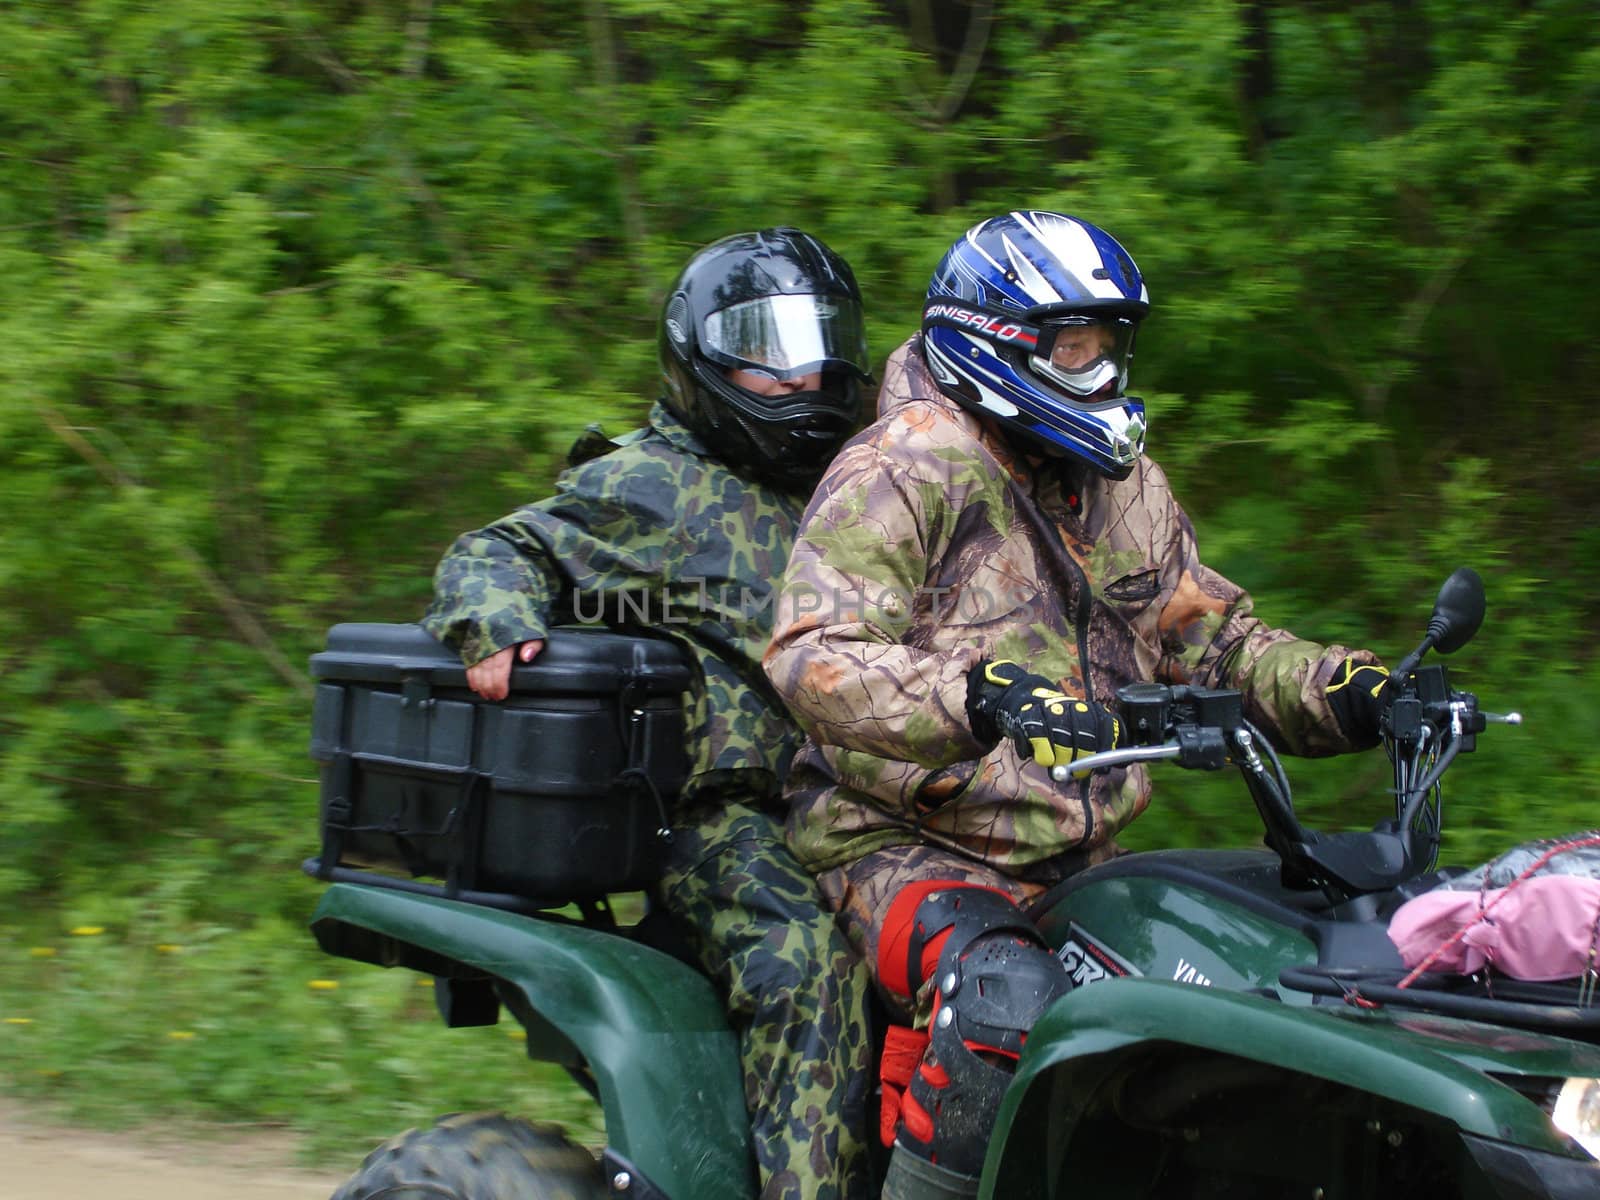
x=1425, y=725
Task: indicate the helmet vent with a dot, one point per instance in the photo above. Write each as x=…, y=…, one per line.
x=677, y=319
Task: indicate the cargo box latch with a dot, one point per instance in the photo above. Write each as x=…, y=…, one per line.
x=416, y=693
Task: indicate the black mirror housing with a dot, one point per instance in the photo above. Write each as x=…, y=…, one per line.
x=1458, y=612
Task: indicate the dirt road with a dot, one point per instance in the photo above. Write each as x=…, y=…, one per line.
x=43, y=1161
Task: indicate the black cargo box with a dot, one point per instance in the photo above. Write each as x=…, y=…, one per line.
x=557, y=793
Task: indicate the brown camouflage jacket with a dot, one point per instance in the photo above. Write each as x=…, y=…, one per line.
x=931, y=545
x=646, y=534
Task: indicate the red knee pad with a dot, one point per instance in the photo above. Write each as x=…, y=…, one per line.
x=996, y=976
x=899, y=924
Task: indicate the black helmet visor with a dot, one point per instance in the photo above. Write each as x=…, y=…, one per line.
x=786, y=336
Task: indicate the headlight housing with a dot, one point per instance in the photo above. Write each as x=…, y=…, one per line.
x=1577, y=1113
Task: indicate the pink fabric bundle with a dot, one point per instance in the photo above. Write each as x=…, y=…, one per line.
x=1542, y=928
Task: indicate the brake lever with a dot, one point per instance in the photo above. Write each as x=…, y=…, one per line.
x=1089, y=764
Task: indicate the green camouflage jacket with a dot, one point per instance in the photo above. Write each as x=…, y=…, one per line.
x=652, y=535
x=931, y=545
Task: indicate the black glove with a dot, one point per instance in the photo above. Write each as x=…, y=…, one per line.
x=1046, y=724
x=1359, y=696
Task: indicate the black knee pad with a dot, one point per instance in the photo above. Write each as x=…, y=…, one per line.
x=991, y=993
x=994, y=979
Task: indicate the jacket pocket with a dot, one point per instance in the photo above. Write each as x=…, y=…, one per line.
x=1135, y=589
x=941, y=786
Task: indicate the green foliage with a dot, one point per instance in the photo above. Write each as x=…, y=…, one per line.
x=215, y=1023
x=291, y=294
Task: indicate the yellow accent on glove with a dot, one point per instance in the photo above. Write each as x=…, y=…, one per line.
x=1043, y=722
x=1356, y=696
x=1353, y=674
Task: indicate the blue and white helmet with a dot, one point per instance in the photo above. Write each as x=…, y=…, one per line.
x=1030, y=319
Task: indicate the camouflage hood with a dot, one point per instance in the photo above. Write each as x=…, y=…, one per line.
x=930, y=545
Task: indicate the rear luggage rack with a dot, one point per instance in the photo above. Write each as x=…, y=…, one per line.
x=527, y=906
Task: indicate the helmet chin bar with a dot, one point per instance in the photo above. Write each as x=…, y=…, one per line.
x=1127, y=443
x=1107, y=434
x=840, y=402
x=783, y=440
x=1113, y=453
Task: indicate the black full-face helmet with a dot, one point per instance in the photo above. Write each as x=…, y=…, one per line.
x=779, y=306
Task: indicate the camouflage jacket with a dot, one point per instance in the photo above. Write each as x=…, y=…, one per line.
x=652, y=535
x=931, y=545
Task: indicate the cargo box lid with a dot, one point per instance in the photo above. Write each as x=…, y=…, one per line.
x=581, y=659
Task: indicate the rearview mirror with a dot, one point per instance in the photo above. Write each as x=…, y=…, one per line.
x=1458, y=612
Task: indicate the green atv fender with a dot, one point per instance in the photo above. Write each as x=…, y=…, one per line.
x=1435, y=1065
x=651, y=1031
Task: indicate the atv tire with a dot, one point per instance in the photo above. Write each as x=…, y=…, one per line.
x=477, y=1156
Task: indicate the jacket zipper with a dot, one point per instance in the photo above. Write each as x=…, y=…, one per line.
x=1085, y=611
